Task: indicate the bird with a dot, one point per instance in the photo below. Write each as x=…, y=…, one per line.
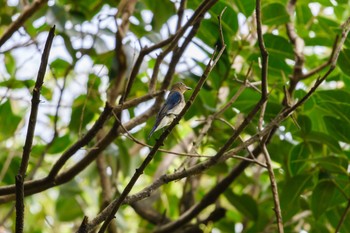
x=171, y=108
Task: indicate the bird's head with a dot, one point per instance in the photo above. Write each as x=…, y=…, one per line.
x=180, y=87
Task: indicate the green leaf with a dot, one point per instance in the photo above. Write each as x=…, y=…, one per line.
x=304, y=14
x=297, y=158
x=305, y=123
x=338, y=129
x=46, y=92
x=274, y=14
x=278, y=46
x=60, y=144
x=328, y=103
x=10, y=64
x=243, y=203
x=58, y=16
x=162, y=10
x=333, y=164
x=342, y=1
x=229, y=18
x=68, y=208
x=245, y=7
x=291, y=194
x=323, y=139
x=9, y=121
x=17, y=84
x=82, y=113
x=325, y=196
x=344, y=61
x=60, y=67
x=124, y=157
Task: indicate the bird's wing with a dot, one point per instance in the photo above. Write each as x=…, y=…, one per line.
x=173, y=99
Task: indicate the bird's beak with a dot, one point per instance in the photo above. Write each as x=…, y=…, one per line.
x=188, y=88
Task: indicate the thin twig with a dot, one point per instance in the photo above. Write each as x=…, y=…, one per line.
x=274, y=188
x=30, y=133
x=343, y=216
x=180, y=13
x=172, y=39
x=125, y=10
x=252, y=159
x=81, y=142
x=24, y=16
x=128, y=135
x=83, y=226
x=19, y=204
x=35, y=104
x=263, y=51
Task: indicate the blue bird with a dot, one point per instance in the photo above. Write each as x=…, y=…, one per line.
x=171, y=108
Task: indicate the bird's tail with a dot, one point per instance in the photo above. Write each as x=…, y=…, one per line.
x=152, y=131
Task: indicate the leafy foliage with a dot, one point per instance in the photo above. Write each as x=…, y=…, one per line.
x=310, y=149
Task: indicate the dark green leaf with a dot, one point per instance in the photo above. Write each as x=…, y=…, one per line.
x=297, y=158
x=243, y=203
x=9, y=121
x=323, y=139
x=340, y=130
x=344, y=61
x=305, y=123
x=68, y=208
x=278, y=46
x=246, y=7
x=291, y=193
x=325, y=196
x=82, y=113
x=333, y=164
x=304, y=14
x=60, y=144
x=274, y=14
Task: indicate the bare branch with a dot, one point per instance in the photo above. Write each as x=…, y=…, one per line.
x=132, y=138
x=35, y=104
x=263, y=51
x=19, y=204
x=125, y=10
x=173, y=39
x=82, y=142
x=23, y=17
x=274, y=188
x=180, y=13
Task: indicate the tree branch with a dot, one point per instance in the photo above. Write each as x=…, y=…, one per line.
x=263, y=51
x=125, y=10
x=205, y=5
x=24, y=16
x=35, y=104
x=274, y=188
x=19, y=204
